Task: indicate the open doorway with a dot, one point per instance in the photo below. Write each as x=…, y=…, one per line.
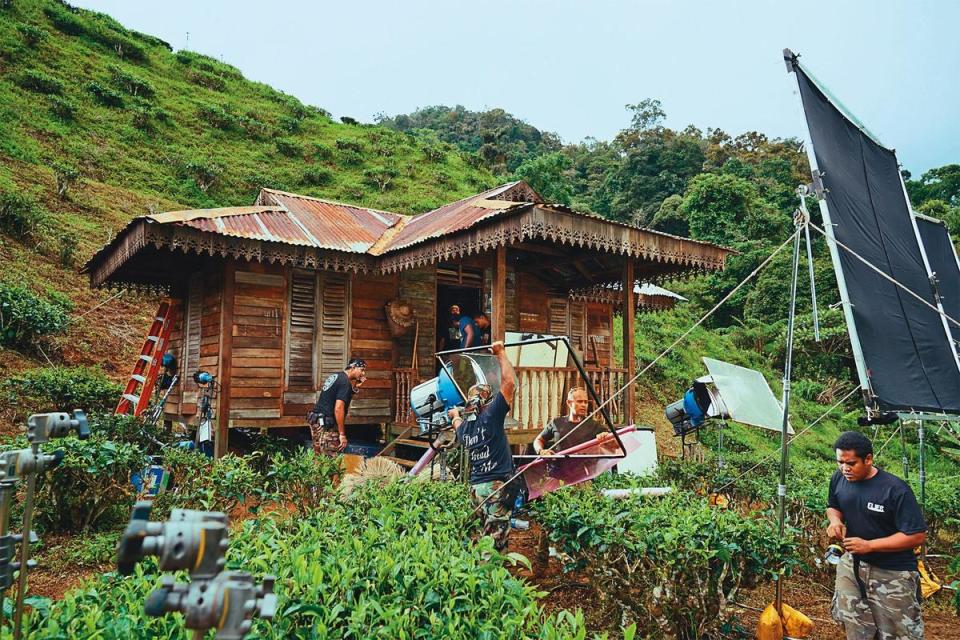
x=469, y=298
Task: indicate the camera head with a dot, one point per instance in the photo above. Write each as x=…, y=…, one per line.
x=195, y=541
x=41, y=427
x=226, y=602
x=21, y=462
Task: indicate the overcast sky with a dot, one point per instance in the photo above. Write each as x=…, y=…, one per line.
x=570, y=67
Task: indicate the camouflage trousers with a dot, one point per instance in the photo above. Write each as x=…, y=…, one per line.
x=325, y=441
x=891, y=610
x=495, y=516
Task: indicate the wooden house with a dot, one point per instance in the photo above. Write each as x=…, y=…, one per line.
x=274, y=297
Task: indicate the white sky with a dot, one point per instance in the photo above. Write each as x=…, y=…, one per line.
x=570, y=67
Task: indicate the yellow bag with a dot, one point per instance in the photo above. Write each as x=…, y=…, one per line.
x=795, y=623
x=929, y=583
x=770, y=627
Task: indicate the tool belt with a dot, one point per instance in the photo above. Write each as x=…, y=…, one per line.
x=314, y=419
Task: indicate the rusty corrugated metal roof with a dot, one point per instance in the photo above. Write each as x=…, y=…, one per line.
x=328, y=224
x=454, y=217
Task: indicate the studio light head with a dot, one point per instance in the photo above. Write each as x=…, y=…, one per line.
x=14, y=465
x=195, y=541
x=226, y=602
x=203, y=378
x=42, y=427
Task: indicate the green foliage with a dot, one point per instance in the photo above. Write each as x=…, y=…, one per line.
x=381, y=176
x=671, y=564
x=65, y=176
x=39, y=82
x=218, y=117
x=31, y=34
x=58, y=389
x=346, y=570
x=27, y=319
x=288, y=147
x=726, y=209
x=131, y=84
x=62, y=108
x=316, y=176
x=546, y=174
x=21, y=216
x=940, y=183
x=105, y=95
x=206, y=80
x=204, y=174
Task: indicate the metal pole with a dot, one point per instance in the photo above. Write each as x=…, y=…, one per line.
x=813, y=283
x=6, y=493
x=904, y=458
x=855, y=347
x=25, y=547
x=785, y=425
x=923, y=469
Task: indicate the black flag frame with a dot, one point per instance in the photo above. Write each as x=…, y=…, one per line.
x=905, y=355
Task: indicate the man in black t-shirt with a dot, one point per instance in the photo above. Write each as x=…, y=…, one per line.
x=876, y=516
x=328, y=428
x=481, y=431
x=557, y=430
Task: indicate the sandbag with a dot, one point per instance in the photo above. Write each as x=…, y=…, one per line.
x=770, y=627
x=795, y=623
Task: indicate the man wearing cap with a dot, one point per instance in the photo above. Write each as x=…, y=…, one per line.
x=328, y=427
x=480, y=428
x=467, y=328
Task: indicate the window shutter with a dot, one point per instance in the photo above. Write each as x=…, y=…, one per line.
x=302, y=332
x=558, y=325
x=191, y=345
x=334, y=322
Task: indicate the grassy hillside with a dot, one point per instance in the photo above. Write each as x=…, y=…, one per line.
x=99, y=124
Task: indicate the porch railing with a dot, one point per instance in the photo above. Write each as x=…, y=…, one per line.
x=541, y=393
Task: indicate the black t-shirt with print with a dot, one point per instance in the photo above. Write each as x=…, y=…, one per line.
x=876, y=508
x=336, y=387
x=486, y=441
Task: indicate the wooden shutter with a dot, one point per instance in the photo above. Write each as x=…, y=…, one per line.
x=302, y=330
x=558, y=324
x=577, y=325
x=191, y=343
x=334, y=323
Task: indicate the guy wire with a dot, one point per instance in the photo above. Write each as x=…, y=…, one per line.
x=627, y=384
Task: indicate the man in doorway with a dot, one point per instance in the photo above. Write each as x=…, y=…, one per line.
x=578, y=405
x=328, y=427
x=480, y=428
x=482, y=323
x=876, y=516
x=469, y=333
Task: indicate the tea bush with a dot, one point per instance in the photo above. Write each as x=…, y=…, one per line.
x=40, y=82
x=672, y=564
x=26, y=318
x=21, y=216
x=393, y=562
x=58, y=389
x=105, y=95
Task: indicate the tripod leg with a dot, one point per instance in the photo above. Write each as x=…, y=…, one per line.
x=24, y=554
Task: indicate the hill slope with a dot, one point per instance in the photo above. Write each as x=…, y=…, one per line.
x=130, y=127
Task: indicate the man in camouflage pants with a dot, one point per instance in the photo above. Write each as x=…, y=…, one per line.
x=876, y=516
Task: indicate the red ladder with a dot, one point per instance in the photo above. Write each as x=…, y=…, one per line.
x=148, y=364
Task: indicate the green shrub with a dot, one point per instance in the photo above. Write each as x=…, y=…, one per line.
x=131, y=84
x=21, y=216
x=63, y=108
x=91, y=489
x=40, y=82
x=58, y=389
x=199, y=483
x=350, y=157
x=204, y=174
x=349, y=145
x=316, y=176
x=65, y=21
x=289, y=147
x=671, y=564
x=380, y=177
x=32, y=35
x=206, y=80
x=290, y=124
x=303, y=479
x=218, y=117
x=26, y=319
x=366, y=568
x=105, y=95
x=322, y=151
x=65, y=177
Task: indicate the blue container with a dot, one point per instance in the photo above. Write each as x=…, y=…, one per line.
x=365, y=449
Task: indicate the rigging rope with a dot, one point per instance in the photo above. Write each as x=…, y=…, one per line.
x=795, y=436
x=663, y=353
x=885, y=275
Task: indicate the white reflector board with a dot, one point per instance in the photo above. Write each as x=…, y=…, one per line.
x=747, y=395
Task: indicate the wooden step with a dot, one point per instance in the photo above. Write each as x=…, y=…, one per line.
x=412, y=442
x=402, y=462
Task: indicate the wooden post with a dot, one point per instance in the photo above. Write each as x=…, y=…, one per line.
x=226, y=356
x=629, y=358
x=499, y=310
